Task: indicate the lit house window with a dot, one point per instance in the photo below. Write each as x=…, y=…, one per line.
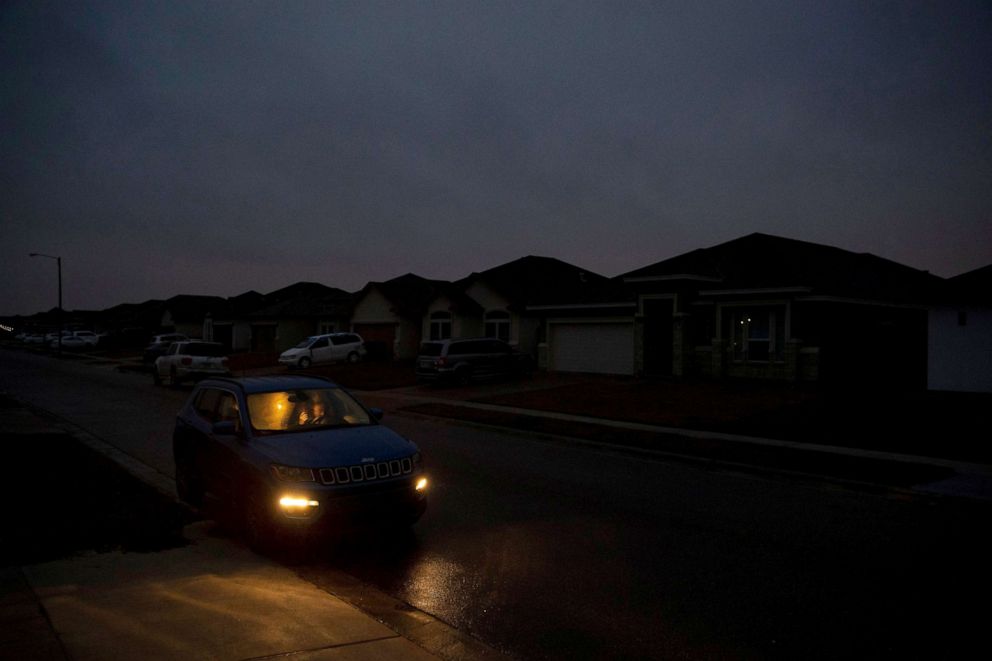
x=498, y=325
x=757, y=334
x=440, y=325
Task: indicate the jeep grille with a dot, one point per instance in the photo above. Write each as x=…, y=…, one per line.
x=366, y=472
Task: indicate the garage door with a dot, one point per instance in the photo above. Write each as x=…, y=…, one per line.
x=601, y=348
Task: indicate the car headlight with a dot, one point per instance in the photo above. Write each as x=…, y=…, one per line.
x=292, y=473
x=298, y=507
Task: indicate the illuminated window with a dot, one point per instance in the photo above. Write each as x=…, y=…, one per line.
x=757, y=334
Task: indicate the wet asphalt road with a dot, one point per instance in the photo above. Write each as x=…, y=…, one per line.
x=547, y=550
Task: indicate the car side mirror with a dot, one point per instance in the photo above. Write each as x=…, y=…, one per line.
x=225, y=428
x=376, y=413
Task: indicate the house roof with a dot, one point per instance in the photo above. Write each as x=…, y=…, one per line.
x=302, y=288
x=303, y=300
x=535, y=281
x=761, y=261
x=409, y=294
x=972, y=287
x=188, y=307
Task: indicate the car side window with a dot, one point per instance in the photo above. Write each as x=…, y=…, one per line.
x=228, y=410
x=206, y=403
x=319, y=344
x=218, y=406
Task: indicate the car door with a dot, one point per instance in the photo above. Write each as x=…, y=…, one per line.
x=227, y=449
x=340, y=345
x=216, y=454
x=321, y=351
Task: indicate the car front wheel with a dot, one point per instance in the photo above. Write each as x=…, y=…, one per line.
x=304, y=363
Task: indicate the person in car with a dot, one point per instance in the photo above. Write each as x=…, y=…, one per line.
x=315, y=414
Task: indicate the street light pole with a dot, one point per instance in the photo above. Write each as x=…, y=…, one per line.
x=58, y=315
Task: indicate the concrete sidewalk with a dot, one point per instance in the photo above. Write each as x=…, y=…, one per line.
x=210, y=599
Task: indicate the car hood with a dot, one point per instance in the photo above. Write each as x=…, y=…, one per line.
x=335, y=447
x=292, y=352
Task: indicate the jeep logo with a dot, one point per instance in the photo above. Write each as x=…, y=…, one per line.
x=368, y=460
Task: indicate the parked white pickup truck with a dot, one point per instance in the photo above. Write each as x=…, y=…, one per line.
x=185, y=361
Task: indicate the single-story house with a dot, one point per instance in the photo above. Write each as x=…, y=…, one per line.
x=508, y=298
x=761, y=307
x=185, y=313
x=291, y=314
x=230, y=324
x=390, y=315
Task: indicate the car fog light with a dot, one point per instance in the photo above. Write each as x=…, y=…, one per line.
x=421, y=485
x=298, y=507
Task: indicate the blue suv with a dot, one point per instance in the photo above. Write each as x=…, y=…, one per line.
x=293, y=456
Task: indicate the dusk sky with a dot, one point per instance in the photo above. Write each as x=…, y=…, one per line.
x=218, y=147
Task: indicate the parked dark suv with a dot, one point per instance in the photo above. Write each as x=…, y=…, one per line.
x=287, y=457
x=463, y=360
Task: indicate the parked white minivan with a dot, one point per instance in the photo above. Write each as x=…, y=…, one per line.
x=329, y=348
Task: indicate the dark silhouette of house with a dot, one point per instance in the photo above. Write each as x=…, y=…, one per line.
x=390, y=315
x=960, y=334
x=763, y=306
x=278, y=320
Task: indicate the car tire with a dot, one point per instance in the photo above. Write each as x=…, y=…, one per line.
x=353, y=357
x=156, y=377
x=189, y=486
x=173, y=379
x=303, y=363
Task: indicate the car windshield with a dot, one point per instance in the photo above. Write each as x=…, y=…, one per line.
x=304, y=410
x=305, y=343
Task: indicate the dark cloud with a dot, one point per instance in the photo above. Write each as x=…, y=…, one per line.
x=220, y=147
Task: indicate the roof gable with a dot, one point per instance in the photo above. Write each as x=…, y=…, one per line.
x=409, y=294
x=535, y=280
x=973, y=286
x=762, y=261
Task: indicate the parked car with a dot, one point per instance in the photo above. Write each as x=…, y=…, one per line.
x=185, y=361
x=328, y=348
x=35, y=338
x=89, y=337
x=69, y=343
x=462, y=360
x=160, y=344
x=293, y=456
x=54, y=335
